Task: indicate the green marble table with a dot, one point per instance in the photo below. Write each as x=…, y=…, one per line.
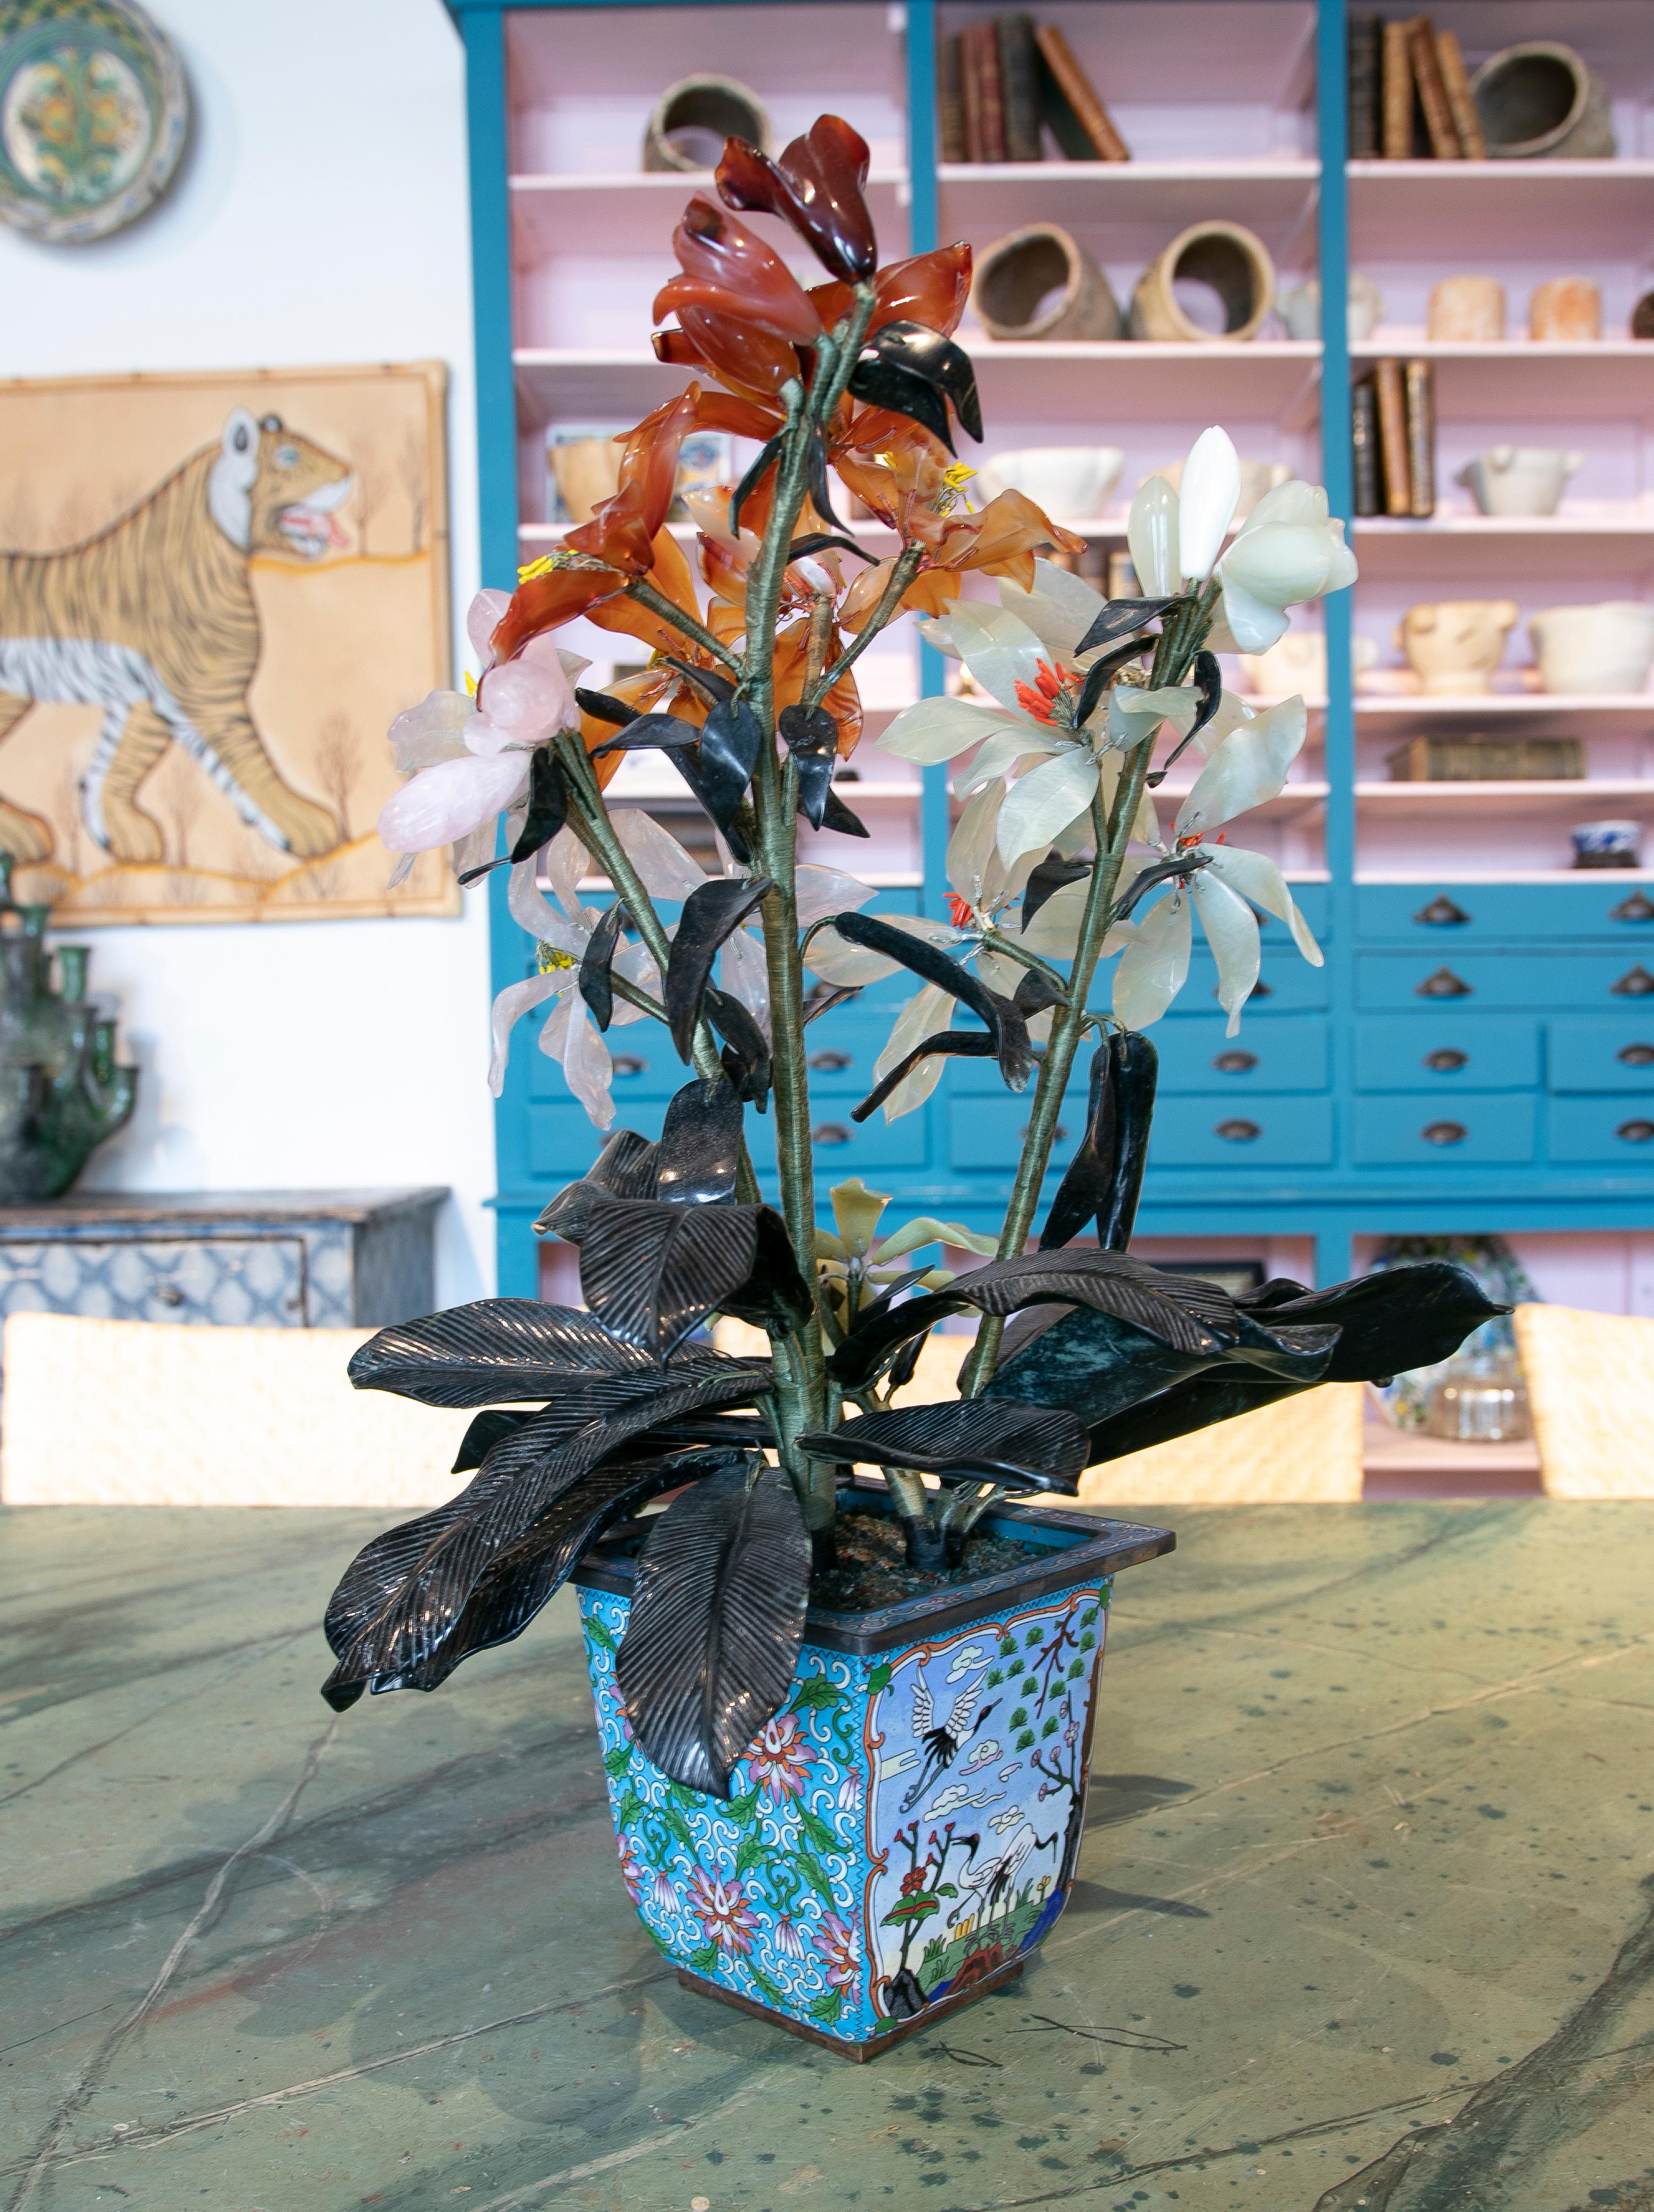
x=1365, y=1919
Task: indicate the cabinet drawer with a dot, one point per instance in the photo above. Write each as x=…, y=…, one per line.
x=231, y=1281
x=1502, y=913
x=988, y=1133
x=1609, y=981
x=1287, y=984
x=1289, y=1054
x=1603, y=1129
x=1417, y=1127
x=840, y=1050
x=1445, y=1053
x=646, y=1067
x=1615, y=1054
x=1253, y=1132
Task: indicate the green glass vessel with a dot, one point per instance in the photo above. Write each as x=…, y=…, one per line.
x=61, y=1093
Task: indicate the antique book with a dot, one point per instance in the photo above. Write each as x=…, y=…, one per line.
x=1473, y=143
x=1392, y=437
x=1020, y=86
x=1420, y=438
x=950, y=102
x=1364, y=435
x=1487, y=760
x=982, y=57
x=1432, y=93
x=1079, y=122
x=1397, y=92
x=970, y=92
x=1365, y=48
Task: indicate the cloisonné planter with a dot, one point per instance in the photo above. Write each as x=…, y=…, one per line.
x=905, y=1832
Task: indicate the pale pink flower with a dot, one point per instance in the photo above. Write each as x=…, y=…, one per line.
x=787, y=1936
x=840, y=1946
x=721, y=1908
x=778, y=1759
x=632, y=1868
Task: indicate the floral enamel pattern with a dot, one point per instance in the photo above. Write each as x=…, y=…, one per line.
x=901, y=1829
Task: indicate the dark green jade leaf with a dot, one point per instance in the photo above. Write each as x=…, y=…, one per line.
x=968, y=1439
x=712, y=914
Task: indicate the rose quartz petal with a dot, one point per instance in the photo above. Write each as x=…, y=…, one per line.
x=433, y=731
x=442, y=803
x=483, y=618
x=529, y=699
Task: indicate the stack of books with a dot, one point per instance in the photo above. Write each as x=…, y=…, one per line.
x=1001, y=79
x=1393, y=424
x=1409, y=94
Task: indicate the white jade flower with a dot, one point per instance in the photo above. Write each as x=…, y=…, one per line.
x=1207, y=504
x=1289, y=549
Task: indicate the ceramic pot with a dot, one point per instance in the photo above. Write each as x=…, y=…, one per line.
x=1607, y=844
x=1454, y=645
x=1300, y=308
x=693, y=118
x=1039, y=282
x=1539, y=100
x=585, y=471
x=1568, y=309
x=1587, y=651
x=1518, y=479
x=843, y=1892
x=1256, y=478
x=1467, y=311
x=1072, y=480
x=1232, y=260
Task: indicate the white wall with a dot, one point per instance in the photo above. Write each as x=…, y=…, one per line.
x=321, y=216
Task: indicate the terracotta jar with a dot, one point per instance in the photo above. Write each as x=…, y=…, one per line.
x=1040, y=282
x=1467, y=311
x=1568, y=308
x=1454, y=645
x=1229, y=258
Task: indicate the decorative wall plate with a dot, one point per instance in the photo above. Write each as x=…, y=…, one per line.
x=93, y=111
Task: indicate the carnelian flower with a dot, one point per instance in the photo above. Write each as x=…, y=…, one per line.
x=816, y=186
x=729, y=271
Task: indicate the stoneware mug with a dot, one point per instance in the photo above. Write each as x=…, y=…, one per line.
x=1467, y=311
x=1518, y=479
x=1454, y=645
x=1071, y=480
x=1586, y=651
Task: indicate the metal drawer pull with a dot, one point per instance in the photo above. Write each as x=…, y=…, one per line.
x=1636, y=1055
x=630, y=1063
x=168, y=1294
x=1637, y=908
x=829, y=1063
x=1635, y=1133
x=1259, y=990
x=1444, y=1133
x=1635, y=983
x=829, y=1133
x=1238, y=1132
x=1444, y=984
x=1441, y=913
x=1235, y=1063
x=1446, y=1060
x=1059, y=1135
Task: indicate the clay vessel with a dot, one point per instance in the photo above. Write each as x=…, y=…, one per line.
x=1642, y=316
x=1229, y=258
x=1518, y=479
x=1589, y=651
x=1467, y=311
x=1039, y=282
x=693, y=118
x=1300, y=308
x=1568, y=309
x=1074, y=480
x=1454, y=645
x=1539, y=100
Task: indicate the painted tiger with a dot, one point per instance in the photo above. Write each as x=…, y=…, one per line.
x=153, y=620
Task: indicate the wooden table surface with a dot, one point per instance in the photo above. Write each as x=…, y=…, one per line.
x=1366, y=1915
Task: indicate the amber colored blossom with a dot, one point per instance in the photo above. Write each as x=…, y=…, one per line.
x=840, y=1946
x=778, y=1759
x=1000, y=541
x=750, y=362
x=729, y=271
x=720, y=1906
x=816, y=186
x=932, y=289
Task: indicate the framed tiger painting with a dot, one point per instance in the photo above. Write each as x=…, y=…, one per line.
x=217, y=590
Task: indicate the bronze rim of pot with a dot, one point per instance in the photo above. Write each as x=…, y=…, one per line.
x=1040, y=282
x=717, y=105
x=1236, y=263
x=1539, y=100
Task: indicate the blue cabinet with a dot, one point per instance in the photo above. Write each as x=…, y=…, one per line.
x=1418, y=1128
x=1446, y=1053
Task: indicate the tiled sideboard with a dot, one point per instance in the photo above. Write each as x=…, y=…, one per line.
x=306, y=1259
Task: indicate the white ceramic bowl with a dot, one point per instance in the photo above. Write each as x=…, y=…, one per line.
x=1586, y=651
x=1068, y=481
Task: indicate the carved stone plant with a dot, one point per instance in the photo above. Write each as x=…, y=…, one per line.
x=583, y=1416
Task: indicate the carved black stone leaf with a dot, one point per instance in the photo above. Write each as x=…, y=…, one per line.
x=1181, y=865
x=548, y=805
x=1035, y=993
x=811, y=736
x=1136, y=1063
x=714, y=687
x=821, y=493
x=1119, y=617
x=603, y=708
x=825, y=996
x=964, y=1044
x=1083, y=1194
x=652, y=1271
x=1101, y=672
x=899, y=391
x=712, y=914
x=597, y=964
x=767, y=457
x=729, y=752
x=624, y=1169
x=484, y=1432
x=1051, y=874
x=510, y=1349
x=404, y=1593
x=776, y=1290
x=821, y=541
x=688, y=767
x=837, y=816
x=716, y=1621
x=1011, y=1046
x=745, y=1055
x=667, y=732
x=981, y=1439
x=700, y=1146
x=939, y=360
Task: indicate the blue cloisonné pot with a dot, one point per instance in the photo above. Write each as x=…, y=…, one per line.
x=905, y=1830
